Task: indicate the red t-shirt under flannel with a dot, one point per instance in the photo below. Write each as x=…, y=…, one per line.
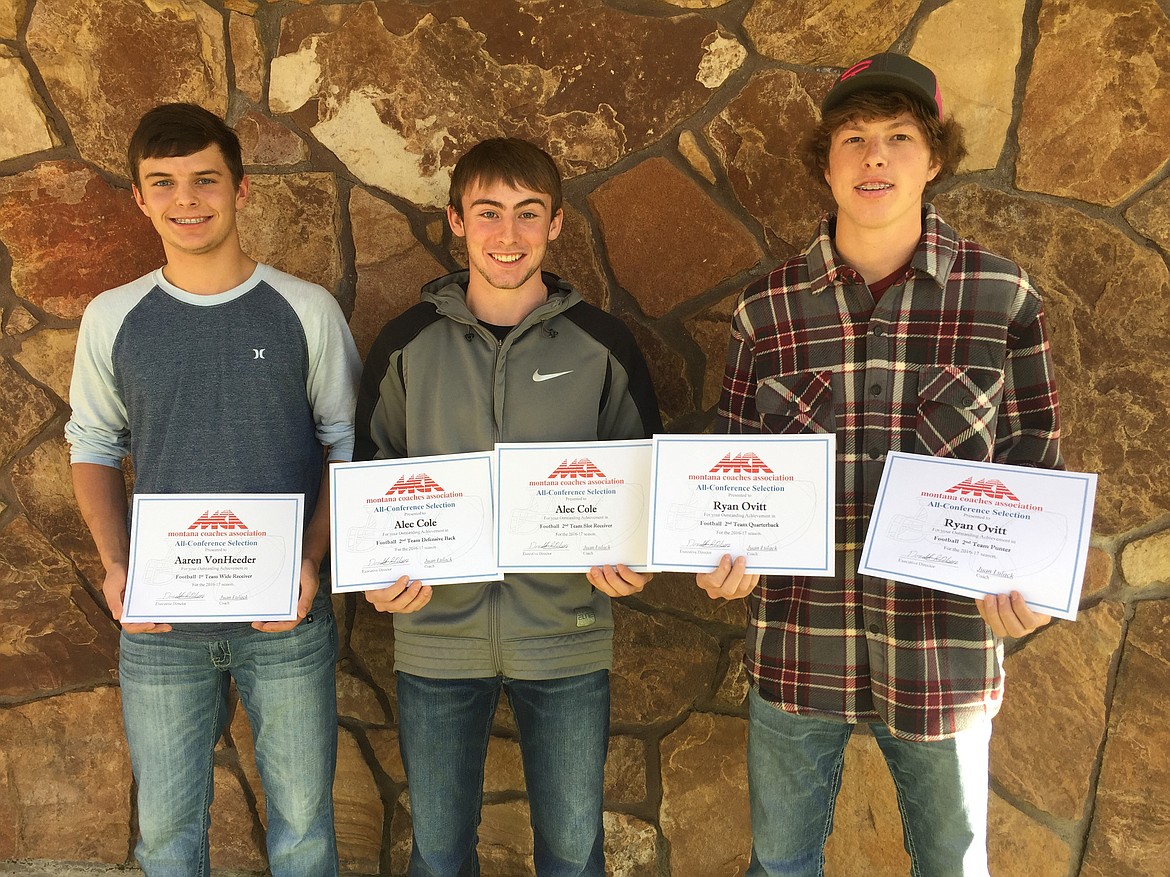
x=953, y=361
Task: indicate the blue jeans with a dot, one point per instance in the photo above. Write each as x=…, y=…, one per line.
x=443, y=728
x=174, y=705
x=794, y=774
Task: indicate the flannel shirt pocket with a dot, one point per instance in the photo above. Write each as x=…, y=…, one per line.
x=800, y=403
x=957, y=408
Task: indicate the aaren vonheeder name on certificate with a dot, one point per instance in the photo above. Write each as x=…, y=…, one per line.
x=768, y=498
x=429, y=518
x=569, y=506
x=982, y=528
x=214, y=557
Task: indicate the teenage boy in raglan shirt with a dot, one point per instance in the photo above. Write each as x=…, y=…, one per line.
x=504, y=352
x=896, y=335
x=215, y=374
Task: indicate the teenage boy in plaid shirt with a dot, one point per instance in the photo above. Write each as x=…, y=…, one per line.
x=895, y=334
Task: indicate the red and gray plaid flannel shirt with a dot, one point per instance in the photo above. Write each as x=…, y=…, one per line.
x=953, y=361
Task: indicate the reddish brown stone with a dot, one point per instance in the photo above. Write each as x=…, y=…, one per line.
x=1017, y=844
x=1086, y=270
x=11, y=15
x=979, y=83
x=668, y=372
x=18, y=320
x=235, y=835
x=264, y=142
x=503, y=769
x=292, y=222
x=392, y=266
x=1128, y=834
x=398, y=92
x=72, y=235
x=356, y=700
x=505, y=840
x=704, y=812
x=661, y=666
x=43, y=485
x=27, y=408
x=678, y=592
x=688, y=147
x=1054, y=712
x=372, y=644
x=573, y=257
x=1146, y=562
x=247, y=54
x=866, y=823
x=667, y=241
x=178, y=55
x=1098, y=573
x=1150, y=214
x=384, y=742
x=711, y=330
x=631, y=846
x=65, y=776
x=826, y=33
x=733, y=690
x=52, y=633
x=25, y=129
x=625, y=772
x=358, y=809
x=48, y=357
x=754, y=137
x=1120, y=118
x=400, y=837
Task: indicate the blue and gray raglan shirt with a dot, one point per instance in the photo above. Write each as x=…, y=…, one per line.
x=238, y=392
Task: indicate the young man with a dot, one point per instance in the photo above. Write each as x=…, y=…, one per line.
x=896, y=335
x=504, y=352
x=169, y=370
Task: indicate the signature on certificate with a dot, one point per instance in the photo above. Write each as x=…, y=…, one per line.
x=931, y=558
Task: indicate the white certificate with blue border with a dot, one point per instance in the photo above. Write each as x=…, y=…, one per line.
x=429, y=518
x=214, y=558
x=569, y=506
x=982, y=528
x=769, y=498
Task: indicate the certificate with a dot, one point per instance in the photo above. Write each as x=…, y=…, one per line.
x=429, y=518
x=214, y=557
x=982, y=528
x=568, y=506
x=769, y=498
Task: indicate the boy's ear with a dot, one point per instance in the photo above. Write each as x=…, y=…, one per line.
x=558, y=221
x=456, y=222
x=138, y=198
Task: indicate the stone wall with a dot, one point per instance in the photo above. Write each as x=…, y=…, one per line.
x=674, y=121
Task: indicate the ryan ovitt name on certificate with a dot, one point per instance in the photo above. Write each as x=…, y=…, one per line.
x=214, y=557
x=982, y=528
x=429, y=518
x=768, y=498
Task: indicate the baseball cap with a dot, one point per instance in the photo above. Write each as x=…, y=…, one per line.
x=887, y=71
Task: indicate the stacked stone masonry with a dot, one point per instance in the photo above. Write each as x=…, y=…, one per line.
x=675, y=122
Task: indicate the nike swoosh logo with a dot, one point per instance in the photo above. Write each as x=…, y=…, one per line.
x=538, y=377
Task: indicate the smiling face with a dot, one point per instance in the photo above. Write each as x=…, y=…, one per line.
x=191, y=202
x=878, y=170
x=507, y=230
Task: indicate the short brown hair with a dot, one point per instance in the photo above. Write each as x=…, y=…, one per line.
x=945, y=136
x=508, y=160
x=171, y=130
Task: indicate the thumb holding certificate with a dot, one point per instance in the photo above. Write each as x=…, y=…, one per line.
x=403, y=595
x=729, y=580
